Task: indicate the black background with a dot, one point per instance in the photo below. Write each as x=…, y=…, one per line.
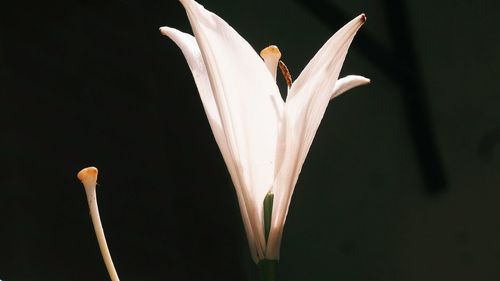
x=402, y=181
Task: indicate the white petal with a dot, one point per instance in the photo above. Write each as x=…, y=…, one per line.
x=305, y=106
x=346, y=83
x=191, y=51
x=249, y=105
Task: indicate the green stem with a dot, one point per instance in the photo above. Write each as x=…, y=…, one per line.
x=267, y=270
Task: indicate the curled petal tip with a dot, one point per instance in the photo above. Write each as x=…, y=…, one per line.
x=347, y=83
x=88, y=174
x=362, y=17
x=362, y=80
x=164, y=30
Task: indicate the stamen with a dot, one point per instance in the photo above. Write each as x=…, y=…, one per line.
x=271, y=56
x=286, y=73
x=88, y=177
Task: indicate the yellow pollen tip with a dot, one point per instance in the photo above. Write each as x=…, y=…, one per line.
x=88, y=174
x=271, y=51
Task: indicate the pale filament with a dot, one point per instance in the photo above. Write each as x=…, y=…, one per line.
x=88, y=177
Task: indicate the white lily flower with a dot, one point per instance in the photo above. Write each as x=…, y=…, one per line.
x=263, y=139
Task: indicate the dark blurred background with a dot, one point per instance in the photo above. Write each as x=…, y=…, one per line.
x=402, y=181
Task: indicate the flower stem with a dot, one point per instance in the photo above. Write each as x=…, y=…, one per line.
x=267, y=269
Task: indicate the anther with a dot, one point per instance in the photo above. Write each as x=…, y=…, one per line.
x=286, y=73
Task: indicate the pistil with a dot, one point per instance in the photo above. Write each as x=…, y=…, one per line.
x=271, y=56
x=88, y=177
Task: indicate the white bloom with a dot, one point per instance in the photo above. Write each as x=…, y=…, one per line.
x=263, y=139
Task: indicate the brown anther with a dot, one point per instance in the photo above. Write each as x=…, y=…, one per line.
x=286, y=73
